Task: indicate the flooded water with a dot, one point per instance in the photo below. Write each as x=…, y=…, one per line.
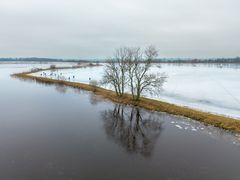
x=55, y=132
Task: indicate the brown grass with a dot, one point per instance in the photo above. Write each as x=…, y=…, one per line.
x=223, y=122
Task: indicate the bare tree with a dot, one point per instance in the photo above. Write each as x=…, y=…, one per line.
x=131, y=67
x=115, y=72
x=140, y=79
x=134, y=56
x=121, y=56
x=111, y=76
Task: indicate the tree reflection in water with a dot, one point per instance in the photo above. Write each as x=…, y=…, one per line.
x=61, y=88
x=136, y=131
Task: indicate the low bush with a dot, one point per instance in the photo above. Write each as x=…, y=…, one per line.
x=94, y=85
x=52, y=66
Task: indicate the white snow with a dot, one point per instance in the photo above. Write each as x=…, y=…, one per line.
x=204, y=87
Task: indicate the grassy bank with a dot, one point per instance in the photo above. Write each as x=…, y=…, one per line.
x=223, y=122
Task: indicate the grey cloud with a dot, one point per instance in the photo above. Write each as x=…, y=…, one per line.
x=93, y=28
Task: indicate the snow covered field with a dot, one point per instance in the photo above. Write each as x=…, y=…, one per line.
x=208, y=88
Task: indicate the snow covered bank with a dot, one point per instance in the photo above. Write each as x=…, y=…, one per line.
x=207, y=88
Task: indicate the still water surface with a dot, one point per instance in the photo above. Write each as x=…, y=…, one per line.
x=54, y=132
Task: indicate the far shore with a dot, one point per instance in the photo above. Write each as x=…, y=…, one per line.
x=227, y=123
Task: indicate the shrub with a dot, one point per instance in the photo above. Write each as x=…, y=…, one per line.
x=35, y=69
x=94, y=84
x=53, y=66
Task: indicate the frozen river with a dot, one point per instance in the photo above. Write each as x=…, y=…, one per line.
x=210, y=88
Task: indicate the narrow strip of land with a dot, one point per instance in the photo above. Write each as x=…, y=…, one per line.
x=223, y=122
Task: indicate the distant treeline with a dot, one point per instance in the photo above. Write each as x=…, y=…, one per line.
x=160, y=60
x=216, y=60
x=35, y=59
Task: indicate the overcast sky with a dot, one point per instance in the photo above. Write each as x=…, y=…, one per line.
x=94, y=28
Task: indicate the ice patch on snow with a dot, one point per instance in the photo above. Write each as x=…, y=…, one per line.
x=178, y=126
